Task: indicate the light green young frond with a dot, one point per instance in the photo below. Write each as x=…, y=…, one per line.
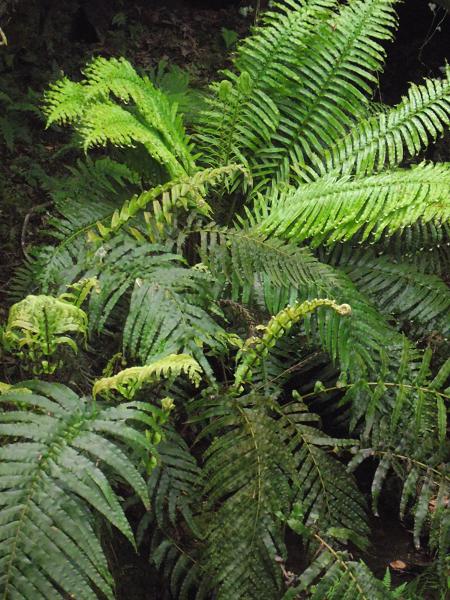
x=92, y=107
x=107, y=122
x=255, y=348
x=38, y=326
x=387, y=139
x=336, y=74
x=58, y=455
x=129, y=381
x=332, y=210
x=65, y=102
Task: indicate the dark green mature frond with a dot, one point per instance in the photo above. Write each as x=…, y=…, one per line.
x=398, y=289
x=266, y=457
x=410, y=441
x=169, y=307
x=246, y=470
x=174, y=485
x=387, y=139
x=334, y=575
x=326, y=493
x=332, y=210
x=58, y=456
x=337, y=72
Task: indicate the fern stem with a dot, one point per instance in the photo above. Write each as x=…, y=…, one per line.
x=342, y=563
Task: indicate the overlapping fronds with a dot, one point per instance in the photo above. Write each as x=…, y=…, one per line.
x=336, y=75
x=241, y=255
x=92, y=107
x=242, y=112
x=410, y=441
x=266, y=457
x=255, y=349
x=332, y=210
x=398, y=289
x=335, y=575
x=58, y=453
x=387, y=139
x=187, y=193
x=129, y=381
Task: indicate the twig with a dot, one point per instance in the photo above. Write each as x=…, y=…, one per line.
x=23, y=235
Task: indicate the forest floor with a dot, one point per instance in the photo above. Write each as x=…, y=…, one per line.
x=47, y=39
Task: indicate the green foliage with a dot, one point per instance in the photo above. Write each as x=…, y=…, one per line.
x=290, y=186
x=38, y=325
x=129, y=381
x=59, y=456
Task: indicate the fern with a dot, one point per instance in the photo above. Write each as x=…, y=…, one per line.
x=38, y=325
x=159, y=129
x=255, y=349
x=129, y=381
x=333, y=210
x=387, y=139
x=398, y=289
x=59, y=454
x=294, y=186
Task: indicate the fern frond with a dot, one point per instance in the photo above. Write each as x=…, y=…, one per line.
x=255, y=349
x=411, y=441
x=332, y=210
x=129, y=381
x=38, y=326
x=241, y=255
x=337, y=576
x=336, y=74
x=398, y=289
x=387, y=139
x=91, y=107
x=246, y=471
x=187, y=193
x=58, y=454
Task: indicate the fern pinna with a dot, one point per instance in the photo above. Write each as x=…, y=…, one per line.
x=290, y=193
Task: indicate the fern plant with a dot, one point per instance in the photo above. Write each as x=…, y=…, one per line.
x=292, y=195
x=59, y=456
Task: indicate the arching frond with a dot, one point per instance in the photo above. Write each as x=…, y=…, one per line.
x=387, y=139
x=90, y=106
x=129, y=381
x=255, y=348
x=332, y=210
x=58, y=455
